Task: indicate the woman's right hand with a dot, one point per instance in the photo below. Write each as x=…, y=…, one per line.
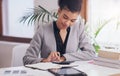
x=53, y=56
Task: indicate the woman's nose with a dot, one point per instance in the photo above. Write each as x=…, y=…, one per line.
x=67, y=22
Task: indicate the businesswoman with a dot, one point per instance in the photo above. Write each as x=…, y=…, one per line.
x=61, y=40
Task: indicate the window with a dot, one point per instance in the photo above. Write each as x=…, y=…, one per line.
x=6, y=32
x=15, y=10
x=107, y=13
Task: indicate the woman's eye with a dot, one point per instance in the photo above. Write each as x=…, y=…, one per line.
x=64, y=17
x=72, y=20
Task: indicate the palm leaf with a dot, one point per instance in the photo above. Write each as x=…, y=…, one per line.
x=39, y=17
x=101, y=27
x=24, y=18
x=38, y=14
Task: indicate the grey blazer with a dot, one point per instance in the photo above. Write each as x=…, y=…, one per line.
x=78, y=46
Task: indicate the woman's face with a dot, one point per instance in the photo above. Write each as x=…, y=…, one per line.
x=66, y=18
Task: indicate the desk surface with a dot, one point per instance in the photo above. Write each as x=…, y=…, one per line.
x=85, y=66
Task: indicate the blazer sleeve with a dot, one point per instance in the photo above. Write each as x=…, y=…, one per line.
x=33, y=52
x=85, y=49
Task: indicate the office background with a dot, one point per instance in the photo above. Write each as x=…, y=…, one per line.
x=94, y=12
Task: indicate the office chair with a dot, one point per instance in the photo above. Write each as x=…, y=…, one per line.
x=17, y=54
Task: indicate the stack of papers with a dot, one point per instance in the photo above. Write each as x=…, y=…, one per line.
x=110, y=54
x=108, y=57
x=48, y=65
x=107, y=62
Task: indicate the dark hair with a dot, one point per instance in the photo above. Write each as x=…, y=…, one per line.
x=72, y=5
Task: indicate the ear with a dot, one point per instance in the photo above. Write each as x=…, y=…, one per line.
x=59, y=10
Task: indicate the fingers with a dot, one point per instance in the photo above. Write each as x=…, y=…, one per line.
x=58, y=53
x=45, y=60
x=54, y=56
x=62, y=59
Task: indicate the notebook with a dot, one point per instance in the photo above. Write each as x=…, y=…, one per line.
x=48, y=65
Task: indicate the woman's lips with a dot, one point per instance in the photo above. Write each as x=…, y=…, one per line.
x=65, y=26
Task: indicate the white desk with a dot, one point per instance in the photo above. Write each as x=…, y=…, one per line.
x=89, y=68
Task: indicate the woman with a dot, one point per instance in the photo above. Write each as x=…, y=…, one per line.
x=61, y=40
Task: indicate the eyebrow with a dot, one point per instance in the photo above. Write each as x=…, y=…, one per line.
x=68, y=17
x=65, y=15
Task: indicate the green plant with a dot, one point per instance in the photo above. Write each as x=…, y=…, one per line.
x=38, y=14
x=101, y=25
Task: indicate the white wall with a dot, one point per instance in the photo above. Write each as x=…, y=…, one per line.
x=48, y=4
